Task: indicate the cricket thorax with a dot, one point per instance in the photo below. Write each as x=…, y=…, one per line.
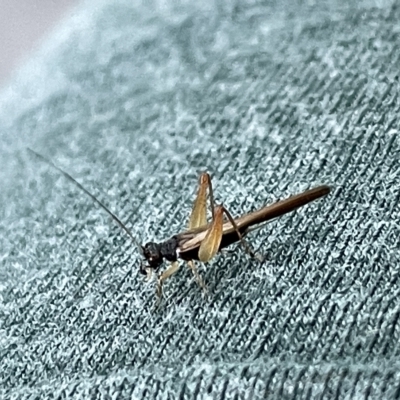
x=155, y=253
x=169, y=249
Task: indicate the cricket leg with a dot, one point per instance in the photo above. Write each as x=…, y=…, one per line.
x=165, y=275
x=198, y=216
x=198, y=278
x=246, y=247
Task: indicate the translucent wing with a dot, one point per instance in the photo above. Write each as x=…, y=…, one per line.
x=198, y=217
x=210, y=245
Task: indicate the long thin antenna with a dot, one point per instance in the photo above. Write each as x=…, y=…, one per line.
x=71, y=179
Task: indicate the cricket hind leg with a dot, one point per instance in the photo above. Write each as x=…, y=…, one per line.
x=246, y=246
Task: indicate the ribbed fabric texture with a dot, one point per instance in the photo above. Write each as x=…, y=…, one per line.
x=135, y=101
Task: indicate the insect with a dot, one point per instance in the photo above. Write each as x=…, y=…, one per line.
x=202, y=240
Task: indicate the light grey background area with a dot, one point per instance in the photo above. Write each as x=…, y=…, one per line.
x=134, y=100
x=22, y=25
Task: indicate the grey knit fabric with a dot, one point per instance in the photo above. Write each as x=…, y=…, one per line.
x=134, y=101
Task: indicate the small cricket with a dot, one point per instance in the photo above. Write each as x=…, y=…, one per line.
x=202, y=240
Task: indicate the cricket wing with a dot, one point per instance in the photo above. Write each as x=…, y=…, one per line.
x=281, y=207
x=210, y=245
x=198, y=217
x=192, y=239
x=257, y=218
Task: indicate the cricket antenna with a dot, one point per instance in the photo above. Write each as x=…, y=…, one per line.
x=71, y=179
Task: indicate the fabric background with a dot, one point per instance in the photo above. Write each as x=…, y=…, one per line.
x=134, y=101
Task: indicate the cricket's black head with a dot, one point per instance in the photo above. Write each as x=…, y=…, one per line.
x=152, y=253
